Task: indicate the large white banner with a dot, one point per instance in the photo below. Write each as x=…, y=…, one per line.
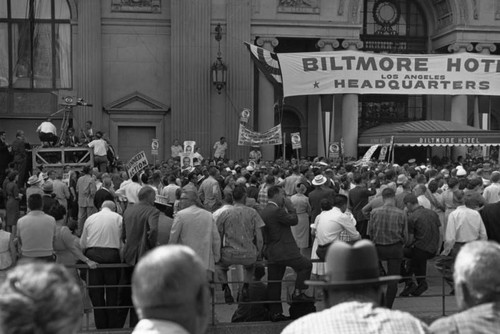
x=341, y=72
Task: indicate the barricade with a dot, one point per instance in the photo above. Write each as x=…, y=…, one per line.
x=216, y=286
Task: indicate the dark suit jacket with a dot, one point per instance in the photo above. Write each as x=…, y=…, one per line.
x=491, y=217
x=315, y=198
x=101, y=196
x=358, y=198
x=138, y=219
x=280, y=243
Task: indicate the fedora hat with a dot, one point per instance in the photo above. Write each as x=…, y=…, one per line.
x=33, y=180
x=319, y=180
x=350, y=265
x=48, y=187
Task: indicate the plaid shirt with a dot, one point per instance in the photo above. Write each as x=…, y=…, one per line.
x=388, y=225
x=262, y=197
x=484, y=318
x=356, y=318
x=424, y=225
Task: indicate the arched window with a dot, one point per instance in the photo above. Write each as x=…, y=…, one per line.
x=35, y=45
x=393, y=26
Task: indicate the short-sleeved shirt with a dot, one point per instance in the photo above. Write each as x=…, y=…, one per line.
x=388, y=225
x=220, y=149
x=424, y=225
x=100, y=147
x=238, y=227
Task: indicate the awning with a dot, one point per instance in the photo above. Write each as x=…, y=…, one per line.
x=428, y=133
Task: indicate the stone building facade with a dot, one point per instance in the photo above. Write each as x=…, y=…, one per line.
x=145, y=66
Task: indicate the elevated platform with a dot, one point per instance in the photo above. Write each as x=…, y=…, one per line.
x=58, y=158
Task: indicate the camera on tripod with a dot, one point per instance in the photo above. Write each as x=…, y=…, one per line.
x=68, y=98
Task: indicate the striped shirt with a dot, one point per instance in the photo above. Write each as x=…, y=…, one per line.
x=388, y=225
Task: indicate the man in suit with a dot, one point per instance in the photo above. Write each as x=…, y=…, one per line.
x=358, y=198
x=71, y=139
x=139, y=234
x=282, y=250
x=320, y=192
x=104, y=193
x=195, y=227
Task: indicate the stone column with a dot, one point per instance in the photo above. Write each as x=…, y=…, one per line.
x=326, y=113
x=266, y=99
x=483, y=119
x=89, y=64
x=459, y=102
x=350, y=111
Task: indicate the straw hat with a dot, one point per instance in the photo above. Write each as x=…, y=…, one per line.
x=33, y=180
x=319, y=180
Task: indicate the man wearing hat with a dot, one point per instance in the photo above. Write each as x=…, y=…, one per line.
x=34, y=186
x=320, y=192
x=353, y=295
x=49, y=199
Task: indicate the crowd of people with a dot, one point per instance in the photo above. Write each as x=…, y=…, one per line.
x=240, y=212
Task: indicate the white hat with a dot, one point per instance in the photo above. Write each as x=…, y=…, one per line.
x=319, y=180
x=461, y=172
x=250, y=168
x=33, y=180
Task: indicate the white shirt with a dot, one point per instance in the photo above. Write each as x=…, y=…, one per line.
x=464, y=225
x=332, y=223
x=130, y=190
x=102, y=229
x=492, y=193
x=423, y=201
x=156, y=326
x=220, y=149
x=100, y=147
x=47, y=127
x=169, y=192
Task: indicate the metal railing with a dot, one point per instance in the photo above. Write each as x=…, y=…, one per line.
x=86, y=327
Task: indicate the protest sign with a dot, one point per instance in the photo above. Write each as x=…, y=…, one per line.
x=296, y=142
x=136, y=164
x=247, y=137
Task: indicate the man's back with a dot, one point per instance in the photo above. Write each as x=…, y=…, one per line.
x=279, y=239
x=491, y=216
x=239, y=226
x=136, y=219
x=484, y=318
x=315, y=198
x=424, y=225
x=356, y=317
x=36, y=231
x=194, y=227
x=388, y=225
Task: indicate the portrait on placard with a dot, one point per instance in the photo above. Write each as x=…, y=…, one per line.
x=189, y=146
x=186, y=160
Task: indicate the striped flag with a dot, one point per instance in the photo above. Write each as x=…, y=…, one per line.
x=267, y=62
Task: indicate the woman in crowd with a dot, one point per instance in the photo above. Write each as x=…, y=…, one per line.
x=12, y=197
x=303, y=208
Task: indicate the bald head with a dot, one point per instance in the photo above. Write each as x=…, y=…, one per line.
x=109, y=204
x=170, y=283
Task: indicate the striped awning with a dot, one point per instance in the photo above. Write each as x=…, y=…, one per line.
x=428, y=133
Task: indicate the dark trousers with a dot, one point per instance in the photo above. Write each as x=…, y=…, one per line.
x=104, y=297
x=445, y=264
x=393, y=254
x=361, y=227
x=125, y=298
x=418, y=263
x=276, y=271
